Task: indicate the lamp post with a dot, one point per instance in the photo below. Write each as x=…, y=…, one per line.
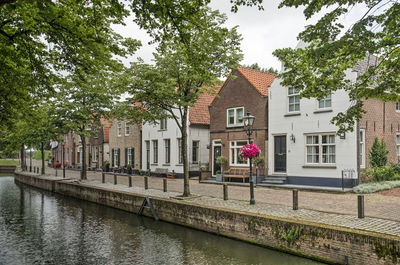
x=63, y=158
x=248, y=126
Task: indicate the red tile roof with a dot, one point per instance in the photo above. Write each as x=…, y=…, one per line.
x=258, y=79
x=198, y=114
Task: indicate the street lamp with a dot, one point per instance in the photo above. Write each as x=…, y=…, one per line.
x=248, y=127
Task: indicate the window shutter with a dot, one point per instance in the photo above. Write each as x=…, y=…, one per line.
x=112, y=157
x=133, y=157
x=126, y=156
x=119, y=157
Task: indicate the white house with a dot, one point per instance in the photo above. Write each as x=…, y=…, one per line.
x=304, y=147
x=161, y=143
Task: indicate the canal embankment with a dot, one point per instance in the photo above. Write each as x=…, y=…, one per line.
x=7, y=169
x=306, y=233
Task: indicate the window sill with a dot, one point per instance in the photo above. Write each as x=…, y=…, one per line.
x=234, y=126
x=239, y=165
x=320, y=166
x=289, y=114
x=126, y=134
x=322, y=111
x=166, y=165
x=179, y=165
x=161, y=130
x=156, y=164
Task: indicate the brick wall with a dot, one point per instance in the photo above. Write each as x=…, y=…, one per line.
x=123, y=141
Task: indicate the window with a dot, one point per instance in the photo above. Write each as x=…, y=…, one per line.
x=325, y=103
x=167, y=146
x=320, y=149
x=67, y=158
x=163, y=124
x=119, y=129
x=130, y=156
x=195, y=152
x=398, y=146
x=235, y=116
x=116, y=157
x=234, y=155
x=127, y=129
x=155, y=151
x=147, y=154
x=94, y=153
x=180, y=151
x=362, y=148
x=398, y=106
x=293, y=100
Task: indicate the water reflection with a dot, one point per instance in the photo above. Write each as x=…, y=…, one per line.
x=37, y=227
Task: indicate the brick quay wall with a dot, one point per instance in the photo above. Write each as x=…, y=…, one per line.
x=333, y=245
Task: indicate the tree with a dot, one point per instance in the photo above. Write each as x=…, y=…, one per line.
x=185, y=67
x=255, y=66
x=378, y=154
x=319, y=69
x=41, y=38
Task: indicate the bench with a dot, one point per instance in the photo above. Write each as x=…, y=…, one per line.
x=236, y=173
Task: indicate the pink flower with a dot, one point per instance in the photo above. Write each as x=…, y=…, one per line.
x=250, y=151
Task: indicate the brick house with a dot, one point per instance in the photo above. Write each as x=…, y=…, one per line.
x=248, y=92
x=304, y=146
x=125, y=144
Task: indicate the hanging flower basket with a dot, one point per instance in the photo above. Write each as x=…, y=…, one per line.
x=250, y=151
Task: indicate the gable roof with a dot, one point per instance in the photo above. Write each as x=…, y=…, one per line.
x=258, y=79
x=198, y=114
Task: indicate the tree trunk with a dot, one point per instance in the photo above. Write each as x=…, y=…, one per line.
x=83, y=168
x=186, y=187
x=22, y=157
x=42, y=150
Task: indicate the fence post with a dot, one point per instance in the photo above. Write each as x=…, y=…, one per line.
x=130, y=181
x=165, y=185
x=103, y=177
x=295, y=199
x=225, y=191
x=115, y=179
x=146, y=182
x=360, y=206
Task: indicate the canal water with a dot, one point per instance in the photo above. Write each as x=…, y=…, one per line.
x=38, y=227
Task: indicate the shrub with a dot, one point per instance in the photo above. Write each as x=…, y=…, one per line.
x=376, y=186
x=378, y=154
x=381, y=173
x=222, y=161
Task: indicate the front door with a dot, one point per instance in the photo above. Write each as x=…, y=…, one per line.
x=217, y=153
x=280, y=153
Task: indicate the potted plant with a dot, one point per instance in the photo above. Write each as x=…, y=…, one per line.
x=250, y=151
x=222, y=161
x=205, y=173
x=106, y=167
x=129, y=169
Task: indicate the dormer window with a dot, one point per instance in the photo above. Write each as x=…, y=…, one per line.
x=163, y=124
x=325, y=103
x=235, y=117
x=119, y=129
x=293, y=100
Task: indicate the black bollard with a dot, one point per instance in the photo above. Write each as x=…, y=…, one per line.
x=130, y=181
x=225, y=191
x=146, y=183
x=103, y=177
x=115, y=179
x=295, y=199
x=360, y=206
x=165, y=185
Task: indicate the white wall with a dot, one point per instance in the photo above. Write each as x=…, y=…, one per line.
x=152, y=132
x=308, y=122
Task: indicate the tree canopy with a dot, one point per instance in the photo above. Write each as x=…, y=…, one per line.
x=320, y=68
x=255, y=66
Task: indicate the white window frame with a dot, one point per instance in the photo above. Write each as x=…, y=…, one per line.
x=362, y=148
x=119, y=129
x=324, y=102
x=94, y=153
x=236, y=120
x=320, y=148
x=155, y=151
x=197, y=150
x=234, y=152
x=116, y=158
x=180, y=150
x=295, y=94
x=163, y=124
x=130, y=156
x=398, y=146
x=167, y=151
x=127, y=128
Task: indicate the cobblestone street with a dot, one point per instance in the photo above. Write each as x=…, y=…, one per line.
x=376, y=205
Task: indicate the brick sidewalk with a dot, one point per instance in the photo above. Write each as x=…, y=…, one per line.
x=376, y=205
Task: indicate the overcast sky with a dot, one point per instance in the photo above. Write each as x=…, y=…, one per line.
x=262, y=31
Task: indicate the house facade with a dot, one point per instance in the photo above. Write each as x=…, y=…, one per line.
x=248, y=92
x=304, y=146
x=125, y=144
x=162, y=145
